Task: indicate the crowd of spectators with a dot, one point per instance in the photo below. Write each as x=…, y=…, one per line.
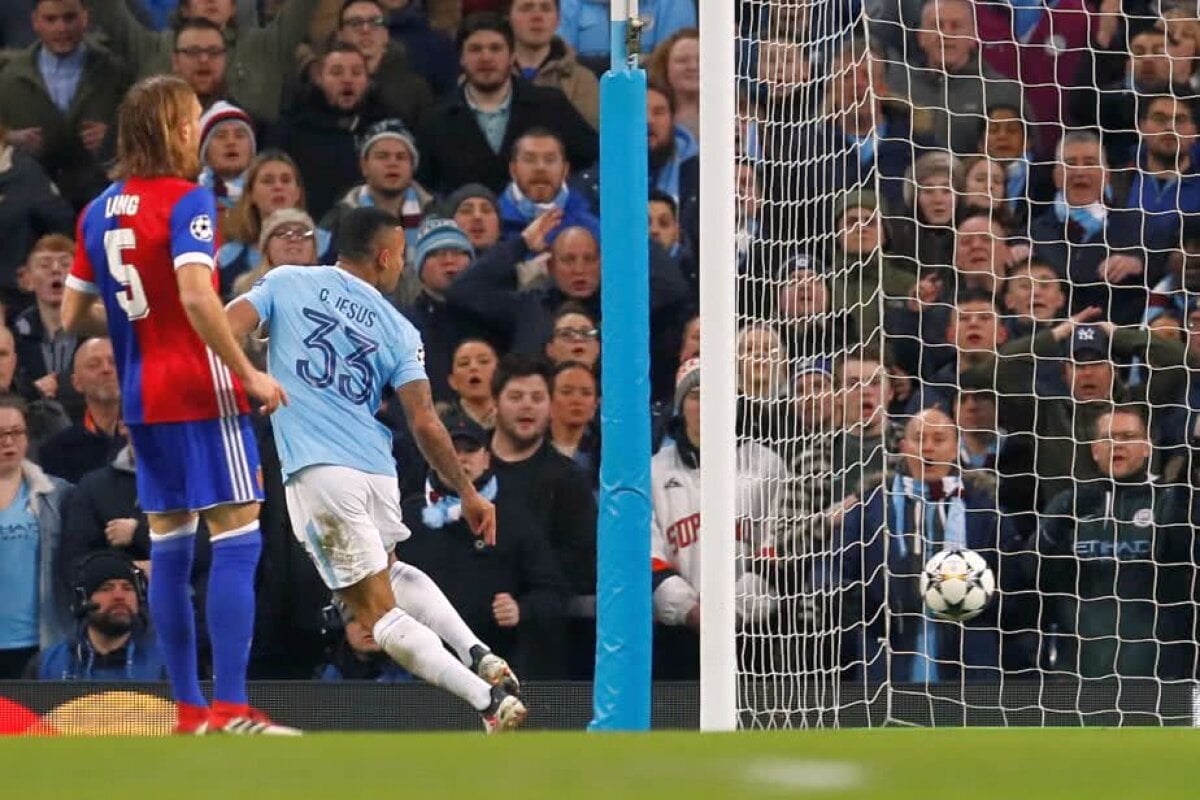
x=476, y=124
x=973, y=243
x=969, y=257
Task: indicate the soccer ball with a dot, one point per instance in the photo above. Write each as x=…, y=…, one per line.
x=957, y=585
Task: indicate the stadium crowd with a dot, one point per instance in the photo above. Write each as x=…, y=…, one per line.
x=968, y=265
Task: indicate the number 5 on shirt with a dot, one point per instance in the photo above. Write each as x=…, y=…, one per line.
x=133, y=299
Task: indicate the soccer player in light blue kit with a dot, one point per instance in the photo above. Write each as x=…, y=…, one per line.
x=335, y=340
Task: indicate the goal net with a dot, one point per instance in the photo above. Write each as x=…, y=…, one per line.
x=967, y=279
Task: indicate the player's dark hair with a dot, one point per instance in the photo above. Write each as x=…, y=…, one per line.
x=359, y=232
x=519, y=365
x=483, y=21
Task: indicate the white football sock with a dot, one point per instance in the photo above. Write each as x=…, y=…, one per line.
x=420, y=651
x=418, y=595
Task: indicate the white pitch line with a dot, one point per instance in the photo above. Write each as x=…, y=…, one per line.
x=806, y=775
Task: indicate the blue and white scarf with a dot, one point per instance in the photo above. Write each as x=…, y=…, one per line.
x=1018, y=181
x=934, y=510
x=530, y=210
x=443, y=509
x=1090, y=218
x=227, y=191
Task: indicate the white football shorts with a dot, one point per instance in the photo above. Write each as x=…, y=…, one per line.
x=349, y=521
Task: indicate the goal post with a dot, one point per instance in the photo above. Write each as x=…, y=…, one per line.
x=621, y=688
x=718, y=328
x=936, y=320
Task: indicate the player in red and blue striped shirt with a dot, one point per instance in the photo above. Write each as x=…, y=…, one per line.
x=145, y=248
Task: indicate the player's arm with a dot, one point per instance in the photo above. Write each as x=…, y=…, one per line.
x=243, y=318
x=82, y=315
x=207, y=317
x=434, y=443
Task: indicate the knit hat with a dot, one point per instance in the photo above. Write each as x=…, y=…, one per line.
x=105, y=566
x=686, y=379
x=279, y=218
x=389, y=129
x=466, y=192
x=221, y=113
x=438, y=233
x=856, y=198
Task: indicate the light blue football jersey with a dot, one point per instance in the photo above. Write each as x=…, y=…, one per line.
x=334, y=341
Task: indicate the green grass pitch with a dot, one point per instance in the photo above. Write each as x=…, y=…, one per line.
x=1019, y=764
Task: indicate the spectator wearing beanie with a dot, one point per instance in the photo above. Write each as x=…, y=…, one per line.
x=443, y=251
x=477, y=211
x=388, y=158
x=289, y=236
x=112, y=641
x=227, y=146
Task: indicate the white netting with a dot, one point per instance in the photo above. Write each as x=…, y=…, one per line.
x=965, y=238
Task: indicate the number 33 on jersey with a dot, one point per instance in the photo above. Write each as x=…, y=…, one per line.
x=335, y=343
x=130, y=240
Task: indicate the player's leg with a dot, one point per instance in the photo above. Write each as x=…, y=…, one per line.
x=411, y=644
x=418, y=595
x=236, y=547
x=227, y=486
x=172, y=547
x=330, y=508
x=161, y=482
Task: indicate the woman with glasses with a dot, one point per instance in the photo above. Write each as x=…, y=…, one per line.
x=288, y=238
x=272, y=183
x=574, y=337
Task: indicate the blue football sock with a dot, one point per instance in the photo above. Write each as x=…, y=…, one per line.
x=172, y=612
x=231, y=610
